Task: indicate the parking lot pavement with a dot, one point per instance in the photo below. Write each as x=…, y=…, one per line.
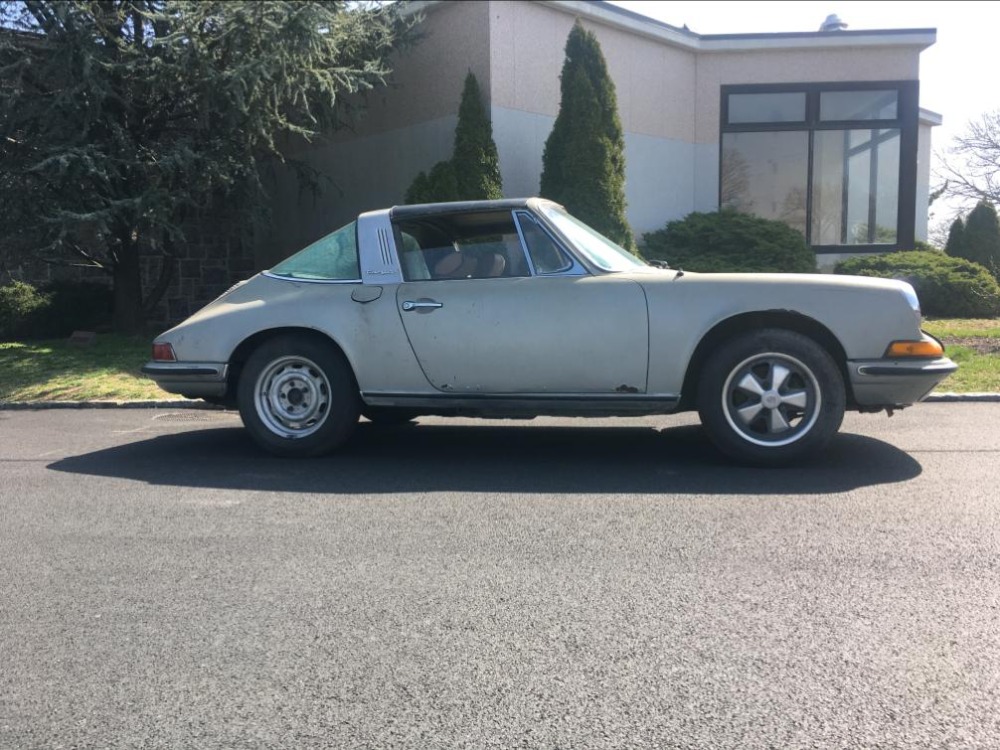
x=555, y=583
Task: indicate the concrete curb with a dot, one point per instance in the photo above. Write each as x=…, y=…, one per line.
x=943, y=397
x=937, y=397
x=42, y=405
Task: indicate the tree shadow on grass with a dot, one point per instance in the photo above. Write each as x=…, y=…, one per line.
x=491, y=458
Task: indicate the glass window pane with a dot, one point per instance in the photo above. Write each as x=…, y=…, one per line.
x=545, y=254
x=463, y=246
x=784, y=107
x=767, y=174
x=597, y=248
x=855, y=198
x=332, y=258
x=858, y=105
x=887, y=188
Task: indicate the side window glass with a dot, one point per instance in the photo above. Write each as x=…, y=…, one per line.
x=463, y=246
x=331, y=258
x=412, y=259
x=545, y=254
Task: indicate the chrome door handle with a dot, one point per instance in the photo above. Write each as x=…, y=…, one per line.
x=410, y=305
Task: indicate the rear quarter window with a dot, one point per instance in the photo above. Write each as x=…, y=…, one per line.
x=331, y=258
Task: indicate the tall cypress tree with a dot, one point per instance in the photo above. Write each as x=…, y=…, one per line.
x=473, y=172
x=981, y=238
x=583, y=166
x=475, y=158
x=956, y=239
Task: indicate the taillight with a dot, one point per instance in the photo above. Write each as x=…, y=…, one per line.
x=163, y=353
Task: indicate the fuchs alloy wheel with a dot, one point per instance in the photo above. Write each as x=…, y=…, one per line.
x=297, y=397
x=770, y=397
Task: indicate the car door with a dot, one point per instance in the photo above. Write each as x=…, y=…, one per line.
x=527, y=333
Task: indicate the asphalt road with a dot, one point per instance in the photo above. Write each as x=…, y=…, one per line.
x=541, y=585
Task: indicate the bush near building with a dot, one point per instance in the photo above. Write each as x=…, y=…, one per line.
x=473, y=172
x=583, y=165
x=730, y=242
x=977, y=238
x=18, y=302
x=54, y=310
x=947, y=287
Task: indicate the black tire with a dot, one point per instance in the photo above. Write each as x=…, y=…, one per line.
x=298, y=397
x=388, y=416
x=770, y=397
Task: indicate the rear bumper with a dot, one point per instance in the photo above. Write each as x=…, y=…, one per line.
x=191, y=379
x=895, y=382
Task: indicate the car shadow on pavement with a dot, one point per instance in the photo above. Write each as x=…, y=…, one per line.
x=495, y=459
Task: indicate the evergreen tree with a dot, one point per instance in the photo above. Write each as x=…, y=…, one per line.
x=956, y=239
x=475, y=160
x=583, y=166
x=119, y=118
x=473, y=172
x=981, y=238
x=419, y=190
x=442, y=182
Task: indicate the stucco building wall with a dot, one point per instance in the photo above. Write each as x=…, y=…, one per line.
x=668, y=93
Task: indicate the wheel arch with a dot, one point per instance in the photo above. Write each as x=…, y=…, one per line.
x=743, y=322
x=246, y=347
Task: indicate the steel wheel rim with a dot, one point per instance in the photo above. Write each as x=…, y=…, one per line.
x=292, y=397
x=771, y=399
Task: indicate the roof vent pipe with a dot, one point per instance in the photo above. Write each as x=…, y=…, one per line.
x=833, y=23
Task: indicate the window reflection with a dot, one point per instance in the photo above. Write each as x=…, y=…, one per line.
x=855, y=187
x=858, y=105
x=780, y=107
x=767, y=174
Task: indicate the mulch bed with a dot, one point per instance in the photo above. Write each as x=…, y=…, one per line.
x=980, y=344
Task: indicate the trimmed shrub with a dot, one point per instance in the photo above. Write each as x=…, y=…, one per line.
x=19, y=302
x=981, y=239
x=583, y=165
x=473, y=172
x=56, y=310
x=437, y=187
x=475, y=160
x=947, y=287
x=955, y=246
x=730, y=242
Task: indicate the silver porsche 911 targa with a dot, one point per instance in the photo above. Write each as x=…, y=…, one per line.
x=514, y=308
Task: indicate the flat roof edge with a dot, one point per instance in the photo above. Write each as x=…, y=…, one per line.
x=929, y=117
x=604, y=12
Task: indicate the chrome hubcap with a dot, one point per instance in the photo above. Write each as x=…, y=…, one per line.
x=771, y=399
x=293, y=397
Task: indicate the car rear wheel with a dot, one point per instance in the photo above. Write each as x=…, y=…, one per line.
x=770, y=397
x=297, y=397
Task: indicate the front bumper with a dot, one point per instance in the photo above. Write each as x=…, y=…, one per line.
x=191, y=379
x=896, y=382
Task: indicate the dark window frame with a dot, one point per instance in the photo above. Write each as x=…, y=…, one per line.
x=907, y=122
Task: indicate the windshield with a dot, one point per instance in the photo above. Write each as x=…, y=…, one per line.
x=332, y=258
x=597, y=248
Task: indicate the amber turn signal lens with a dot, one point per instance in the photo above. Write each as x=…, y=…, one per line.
x=915, y=349
x=163, y=353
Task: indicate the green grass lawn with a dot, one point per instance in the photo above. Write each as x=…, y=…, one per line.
x=975, y=345
x=108, y=369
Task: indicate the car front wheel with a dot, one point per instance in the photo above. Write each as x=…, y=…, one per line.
x=770, y=397
x=297, y=397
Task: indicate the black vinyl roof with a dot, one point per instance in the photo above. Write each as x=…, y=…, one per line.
x=458, y=207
